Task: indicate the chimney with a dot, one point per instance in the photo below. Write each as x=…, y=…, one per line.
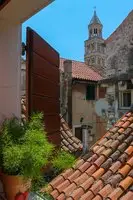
x=86, y=137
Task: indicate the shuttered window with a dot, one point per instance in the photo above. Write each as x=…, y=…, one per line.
x=90, y=92
x=102, y=92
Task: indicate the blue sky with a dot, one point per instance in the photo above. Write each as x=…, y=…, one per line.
x=64, y=23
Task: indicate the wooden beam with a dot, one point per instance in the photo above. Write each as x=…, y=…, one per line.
x=3, y=3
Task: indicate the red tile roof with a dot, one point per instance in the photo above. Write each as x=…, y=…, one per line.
x=82, y=71
x=105, y=174
x=68, y=141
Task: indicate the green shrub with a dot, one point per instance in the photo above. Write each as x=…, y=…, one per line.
x=24, y=148
x=63, y=160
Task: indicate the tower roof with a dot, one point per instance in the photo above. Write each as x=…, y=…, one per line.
x=95, y=19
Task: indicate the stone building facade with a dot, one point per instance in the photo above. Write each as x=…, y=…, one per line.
x=79, y=92
x=94, y=46
x=119, y=67
x=116, y=66
x=119, y=48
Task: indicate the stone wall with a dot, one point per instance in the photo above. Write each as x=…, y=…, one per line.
x=119, y=48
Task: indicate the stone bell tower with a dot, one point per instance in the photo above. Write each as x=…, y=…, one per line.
x=94, y=46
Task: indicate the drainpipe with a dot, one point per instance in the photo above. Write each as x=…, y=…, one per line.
x=68, y=93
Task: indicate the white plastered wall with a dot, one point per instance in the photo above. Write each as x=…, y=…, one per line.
x=10, y=52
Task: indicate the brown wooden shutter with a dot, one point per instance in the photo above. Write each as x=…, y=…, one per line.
x=102, y=92
x=42, y=88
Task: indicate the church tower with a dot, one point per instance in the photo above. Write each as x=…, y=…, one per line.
x=94, y=46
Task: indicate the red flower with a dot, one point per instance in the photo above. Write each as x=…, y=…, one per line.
x=21, y=196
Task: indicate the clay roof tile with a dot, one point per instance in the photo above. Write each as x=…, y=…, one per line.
x=82, y=71
x=107, y=173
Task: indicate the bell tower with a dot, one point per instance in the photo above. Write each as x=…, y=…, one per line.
x=94, y=46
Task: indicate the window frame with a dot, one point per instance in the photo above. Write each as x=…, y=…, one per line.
x=94, y=92
x=121, y=100
x=74, y=130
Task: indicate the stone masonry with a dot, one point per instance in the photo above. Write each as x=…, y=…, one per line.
x=112, y=56
x=119, y=48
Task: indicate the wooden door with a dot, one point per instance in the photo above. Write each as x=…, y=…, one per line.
x=42, y=83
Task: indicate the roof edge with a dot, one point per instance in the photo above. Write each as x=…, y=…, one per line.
x=123, y=22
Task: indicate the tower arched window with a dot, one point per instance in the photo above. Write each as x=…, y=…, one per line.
x=95, y=31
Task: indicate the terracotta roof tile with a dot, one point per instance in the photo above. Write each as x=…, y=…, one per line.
x=114, y=180
x=82, y=71
x=91, y=170
x=84, y=167
x=88, y=183
x=57, y=181
x=67, y=191
x=98, y=173
x=128, y=181
x=105, y=191
x=130, y=162
x=79, y=180
x=107, y=173
x=98, y=197
x=55, y=194
x=77, y=193
x=121, y=130
x=99, y=161
x=124, y=170
x=115, y=194
x=87, y=195
x=76, y=174
x=126, y=124
x=128, y=196
x=69, y=142
x=97, y=186
x=67, y=173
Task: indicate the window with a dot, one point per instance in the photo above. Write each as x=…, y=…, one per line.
x=78, y=133
x=125, y=99
x=95, y=31
x=102, y=92
x=90, y=92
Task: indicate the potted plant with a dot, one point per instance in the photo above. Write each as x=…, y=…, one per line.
x=24, y=150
